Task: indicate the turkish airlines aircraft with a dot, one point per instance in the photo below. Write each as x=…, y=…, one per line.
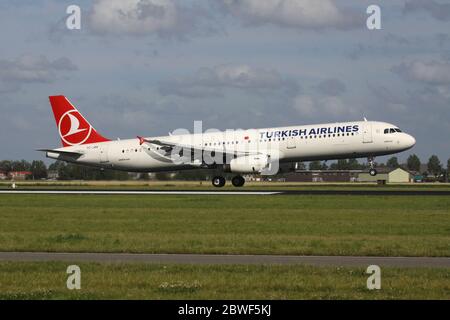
x=242, y=151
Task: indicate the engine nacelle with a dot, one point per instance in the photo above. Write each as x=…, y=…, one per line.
x=248, y=164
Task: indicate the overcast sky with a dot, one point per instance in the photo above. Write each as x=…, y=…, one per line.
x=147, y=67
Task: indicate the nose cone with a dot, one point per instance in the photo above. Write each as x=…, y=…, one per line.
x=409, y=141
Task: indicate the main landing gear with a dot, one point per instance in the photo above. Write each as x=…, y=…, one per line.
x=237, y=181
x=372, y=171
x=218, y=182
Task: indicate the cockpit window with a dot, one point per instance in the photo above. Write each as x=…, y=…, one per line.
x=391, y=130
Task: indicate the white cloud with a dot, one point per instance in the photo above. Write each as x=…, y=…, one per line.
x=305, y=105
x=301, y=14
x=323, y=107
x=209, y=81
x=331, y=87
x=439, y=11
x=31, y=69
x=433, y=72
x=164, y=18
x=133, y=16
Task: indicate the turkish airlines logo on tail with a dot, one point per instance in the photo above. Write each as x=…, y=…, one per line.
x=73, y=128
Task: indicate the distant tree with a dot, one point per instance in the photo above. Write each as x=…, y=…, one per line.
x=447, y=176
x=353, y=164
x=434, y=165
x=5, y=165
x=380, y=164
x=54, y=165
x=162, y=176
x=315, y=165
x=392, y=162
x=38, y=169
x=69, y=171
x=413, y=163
x=301, y=166
x=21, y=165
x=342, y=164
x=347, y=164
x=194, y=175
x=144, y=176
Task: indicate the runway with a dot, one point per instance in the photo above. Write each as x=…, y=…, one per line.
x=137, y=192
x=339, y=192
x=344, y=261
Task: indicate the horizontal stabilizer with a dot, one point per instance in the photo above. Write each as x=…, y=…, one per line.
x=63, y=153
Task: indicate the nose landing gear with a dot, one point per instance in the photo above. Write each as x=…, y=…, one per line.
x=373, y=172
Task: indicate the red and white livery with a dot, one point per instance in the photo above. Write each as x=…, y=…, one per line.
x=264, y=151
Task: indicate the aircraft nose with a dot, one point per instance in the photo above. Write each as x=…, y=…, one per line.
x=410, y=141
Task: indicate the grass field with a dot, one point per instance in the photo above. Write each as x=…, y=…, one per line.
x=304, y=225
x=140, y=281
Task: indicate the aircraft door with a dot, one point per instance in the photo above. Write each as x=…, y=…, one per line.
x=104, y=153
x=291, y=143
x=367, y=132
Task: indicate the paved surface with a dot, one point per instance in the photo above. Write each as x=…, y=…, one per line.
x=240, y=192
x=417, y=262
x=137, y=192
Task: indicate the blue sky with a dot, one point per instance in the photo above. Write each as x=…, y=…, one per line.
x=147, y=67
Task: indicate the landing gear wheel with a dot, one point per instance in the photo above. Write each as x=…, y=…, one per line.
x=238, y=181
x=218, y=182
x=372, y=170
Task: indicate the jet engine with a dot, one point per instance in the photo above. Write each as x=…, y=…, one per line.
x=247, y=164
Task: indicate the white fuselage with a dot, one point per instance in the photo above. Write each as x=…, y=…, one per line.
x=287, y=144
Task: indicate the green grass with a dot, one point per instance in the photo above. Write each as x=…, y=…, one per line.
x=304, y=225
x=26, y=280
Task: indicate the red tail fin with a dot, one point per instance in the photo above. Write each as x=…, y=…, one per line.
x=73, y=128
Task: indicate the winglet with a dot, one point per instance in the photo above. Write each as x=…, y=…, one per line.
x=142, y=140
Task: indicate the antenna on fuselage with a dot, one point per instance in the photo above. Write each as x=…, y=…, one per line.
x=365, y=119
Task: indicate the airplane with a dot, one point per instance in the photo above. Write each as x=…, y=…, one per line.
x=257, y=151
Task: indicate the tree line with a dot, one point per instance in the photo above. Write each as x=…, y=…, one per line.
x=68, y=171
x=434, y=167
